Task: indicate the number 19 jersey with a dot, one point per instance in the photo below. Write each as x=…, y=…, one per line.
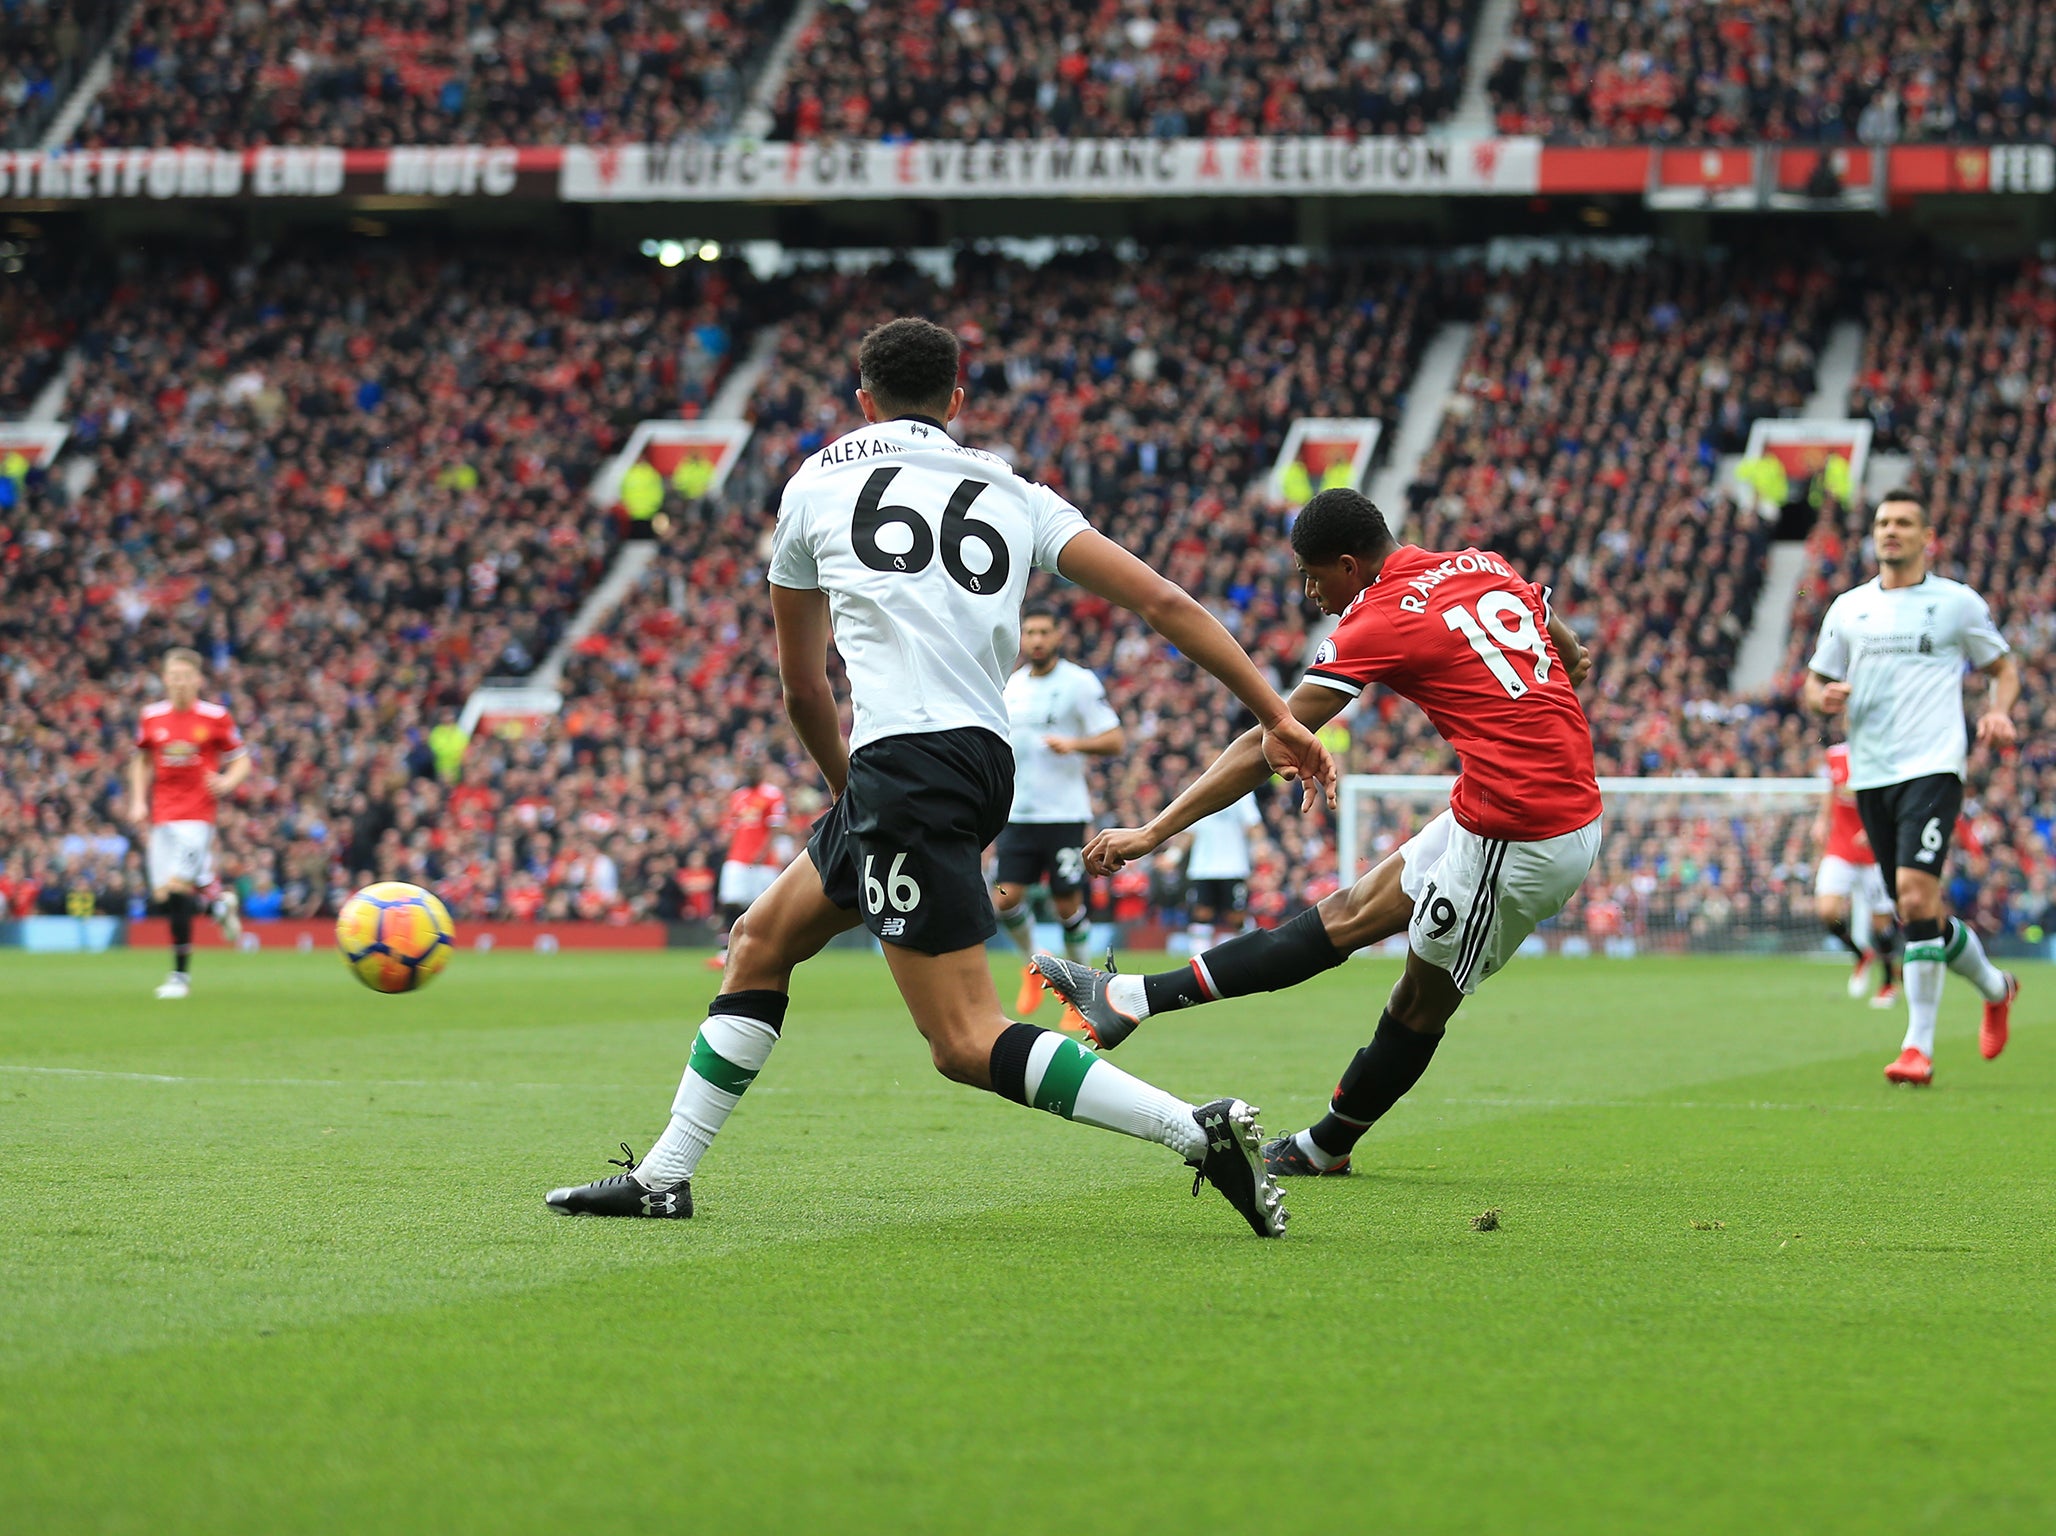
x=1467, y=640
x=923, y=547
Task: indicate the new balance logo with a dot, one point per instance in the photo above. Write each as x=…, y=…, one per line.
x=660, y=1204
x=892, y=928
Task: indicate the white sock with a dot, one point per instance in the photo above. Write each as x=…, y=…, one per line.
x=1015, y=920
x=1078, y=934
x=1066, y=1079
x=727, y=1055
x=1923, y=1002
x=1128, y=995
x=1317, y=1154
x=1965, y=955
x=1859, y=925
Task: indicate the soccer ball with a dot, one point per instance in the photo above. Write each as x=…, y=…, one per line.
x=395, y=936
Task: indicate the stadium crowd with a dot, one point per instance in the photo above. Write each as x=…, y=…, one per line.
x=357, y=485
x=1083, y=69
x=1583, y=442
x=1836, y=72
x=44, y=48
x=370, y=73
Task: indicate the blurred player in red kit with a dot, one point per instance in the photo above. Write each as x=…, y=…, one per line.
x=753, y=824
x=189, y=756
x=1848, y=889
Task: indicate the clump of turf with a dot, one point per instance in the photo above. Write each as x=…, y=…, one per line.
x=1486, y=1221
x=1708, y=1226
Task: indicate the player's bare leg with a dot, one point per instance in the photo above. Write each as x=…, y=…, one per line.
x=791, y=922
x=972, y=1042
x=180, y=904
x=1936, y=943
x=1010, y=906
x=1109, y=1007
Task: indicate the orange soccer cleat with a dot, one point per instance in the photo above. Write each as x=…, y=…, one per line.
x=1886, y=996
x=1030, y=996
x=1991, y=1035
x=718, y=961
x=1911, y=1067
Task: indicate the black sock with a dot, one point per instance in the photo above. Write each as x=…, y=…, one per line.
x=1377, y=1078
x=179, y=908
x=1840, y=930
x=1263, y=961
x=1009, y=1067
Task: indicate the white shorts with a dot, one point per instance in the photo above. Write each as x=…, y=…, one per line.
x=182, y=850
x=1476, y=899
x=1838, y=877
x=742, y=884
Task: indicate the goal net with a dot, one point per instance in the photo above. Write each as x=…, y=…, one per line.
x=1688, y=864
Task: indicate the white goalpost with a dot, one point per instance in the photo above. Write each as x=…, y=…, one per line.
x=1689, y=865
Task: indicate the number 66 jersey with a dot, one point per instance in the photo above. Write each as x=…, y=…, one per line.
x=1467, y=640
x=923, y=547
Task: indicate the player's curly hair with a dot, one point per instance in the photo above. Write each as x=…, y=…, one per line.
x=909, y=365
x=1339, y=522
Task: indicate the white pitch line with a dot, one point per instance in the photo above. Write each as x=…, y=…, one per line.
x=311, y=1082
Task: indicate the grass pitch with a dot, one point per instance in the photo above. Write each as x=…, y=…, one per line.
x=276, y=1259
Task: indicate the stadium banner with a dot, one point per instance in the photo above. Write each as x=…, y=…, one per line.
x=34, y=443
x=642, y=173
x=693, y=458
x=312, y=933
x=1803, y=448
x=746, y=170
x=1321, y=452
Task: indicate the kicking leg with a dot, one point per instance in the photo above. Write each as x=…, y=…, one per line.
x=972, y=1042
x=789, y=923
x=1109, y=1007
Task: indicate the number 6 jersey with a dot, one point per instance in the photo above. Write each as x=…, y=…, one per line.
x=1466, y=639
x=923, y=547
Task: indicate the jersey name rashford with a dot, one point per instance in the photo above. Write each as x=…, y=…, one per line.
x=1467, y=639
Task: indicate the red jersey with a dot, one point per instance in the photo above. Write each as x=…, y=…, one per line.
x=1846, y=837
x=754, y=813
x=185, y=745
x=1468, y=641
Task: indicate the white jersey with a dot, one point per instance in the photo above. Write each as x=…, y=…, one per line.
x=1220, y=842
x=1903, y=653
x=924, y=548
x=1067, y=700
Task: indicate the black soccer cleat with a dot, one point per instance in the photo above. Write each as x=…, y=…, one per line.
x=1234, y=1164
x=1283, y=1159
x=1084, y=993
x=623, y=1194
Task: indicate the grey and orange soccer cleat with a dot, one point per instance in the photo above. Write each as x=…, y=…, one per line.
x=1084, y=993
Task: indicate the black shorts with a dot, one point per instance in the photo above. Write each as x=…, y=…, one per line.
x=1910, y=825
x=905, y=845
x=1217, y=896
x=1032, y=851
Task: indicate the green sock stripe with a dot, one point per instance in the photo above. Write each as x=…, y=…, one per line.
x=1926, y=950
x=1959, y=940
x=718, y=1069
x=1058, y=1090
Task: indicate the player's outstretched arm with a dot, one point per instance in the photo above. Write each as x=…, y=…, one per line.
x=802, y=620
x=1232, y=775
x=1995, y=725
x=1100, y=565
x=1577, y=660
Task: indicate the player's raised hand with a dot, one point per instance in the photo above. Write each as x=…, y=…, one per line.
x=1296, y=753
x=1113, y=847
x=1995, y=729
